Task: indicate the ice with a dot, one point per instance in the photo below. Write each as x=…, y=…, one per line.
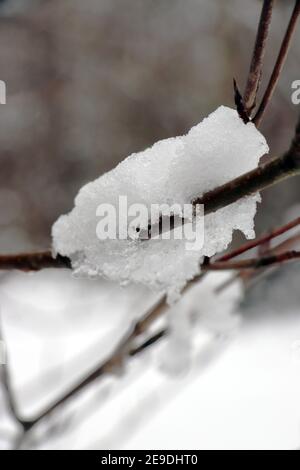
x=173, y=171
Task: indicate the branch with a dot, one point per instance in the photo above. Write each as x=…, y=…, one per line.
x=240, y=104
x=33, y=261
x=279, y=64
x=261, y=240
x=128, y=348
x=256, y=66
x=253, y=263
x=115, y=362
x=249, y=276
x=262, y=177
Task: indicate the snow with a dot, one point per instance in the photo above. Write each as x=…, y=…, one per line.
x=245, y=397
x=172, y=171
x=242, y=393
x=204, y=306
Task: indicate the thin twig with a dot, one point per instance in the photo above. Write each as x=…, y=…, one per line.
x=33, y=261
x=261, y=240
x=256, y=66
x=251, y=275
x=239, y=103
x=253, y=263
x=283, y=53
x=254, y=275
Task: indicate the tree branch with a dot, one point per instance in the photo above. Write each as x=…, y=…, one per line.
x=253, y=263
x=262, y=177
x=261, y=240
x=115, y=362
x=256, y=66
x=33, y=261
x=279, y=64
x=127, y=347
x=240, y=104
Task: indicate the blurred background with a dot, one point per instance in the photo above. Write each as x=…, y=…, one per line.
x=88, y=83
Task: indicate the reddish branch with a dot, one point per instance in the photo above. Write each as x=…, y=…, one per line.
x=253, y=263
x=261, y=240
x=279, y=64
x=255, y=72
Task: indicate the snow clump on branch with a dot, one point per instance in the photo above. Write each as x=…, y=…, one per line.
x=173, y=171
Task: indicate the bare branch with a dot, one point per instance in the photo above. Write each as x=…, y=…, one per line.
x=127, y=347
x=239, y=103
x=115, y=361
x=261, y=240
x=279, y=64
x=33, y=261
x=262, y=177
x=249, y=276
x=253, y=263
x=256, y=66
